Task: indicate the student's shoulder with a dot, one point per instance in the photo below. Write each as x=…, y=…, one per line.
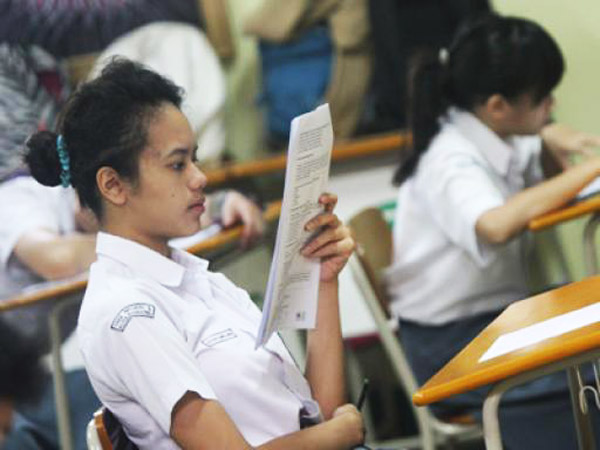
x=27, y=195
x=26, y=185
x=448, y=149
x=450, y=143
x=108, y=294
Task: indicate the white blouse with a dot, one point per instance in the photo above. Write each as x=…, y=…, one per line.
x=441, y=270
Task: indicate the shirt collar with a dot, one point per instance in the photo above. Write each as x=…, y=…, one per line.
x=495, y=150
x=169, y=272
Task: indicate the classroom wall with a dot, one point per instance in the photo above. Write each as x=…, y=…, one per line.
x=575, y=27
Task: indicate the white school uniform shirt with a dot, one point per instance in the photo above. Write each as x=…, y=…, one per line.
x=442, y=271
x=152, y=328
x=27, y=205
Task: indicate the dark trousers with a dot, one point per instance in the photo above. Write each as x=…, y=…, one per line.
x=35, y=426
x=536, y=415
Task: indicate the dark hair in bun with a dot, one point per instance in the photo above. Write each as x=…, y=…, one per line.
x=42, y=158
x=104, y=123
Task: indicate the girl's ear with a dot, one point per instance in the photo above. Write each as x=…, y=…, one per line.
x=111, y=186
x=497, y=108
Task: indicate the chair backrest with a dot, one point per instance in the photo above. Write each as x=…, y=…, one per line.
x=97, y=436
x=374, y=253
x=106, y=433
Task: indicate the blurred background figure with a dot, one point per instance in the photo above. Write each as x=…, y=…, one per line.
x=21, y=375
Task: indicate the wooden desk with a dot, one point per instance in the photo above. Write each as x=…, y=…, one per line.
x=573, y=211
x=363, y=147
x=464, y=372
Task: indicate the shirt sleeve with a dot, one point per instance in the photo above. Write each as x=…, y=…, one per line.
x=456, y=191
x=24, y=209
x=153, y=363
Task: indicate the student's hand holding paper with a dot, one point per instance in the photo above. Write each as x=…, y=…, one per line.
x=333, y=244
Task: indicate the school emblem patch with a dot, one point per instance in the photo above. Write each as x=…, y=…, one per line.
x=218, y=337
x=124, y=316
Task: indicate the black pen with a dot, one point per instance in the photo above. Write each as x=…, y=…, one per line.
x=363, y=394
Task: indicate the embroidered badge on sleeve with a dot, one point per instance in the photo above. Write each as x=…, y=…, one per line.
x=122, y=319
x=218, y=337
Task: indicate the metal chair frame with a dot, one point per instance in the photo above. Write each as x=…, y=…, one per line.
x=374, y=252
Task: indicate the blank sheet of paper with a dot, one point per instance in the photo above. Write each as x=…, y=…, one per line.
x=540, y=331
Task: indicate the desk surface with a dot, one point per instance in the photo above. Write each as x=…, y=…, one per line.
x=464, y=372
x=567, y=213
x=70, y=287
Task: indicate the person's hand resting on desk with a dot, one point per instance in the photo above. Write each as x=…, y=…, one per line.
x=230, y=208
x=562, y=142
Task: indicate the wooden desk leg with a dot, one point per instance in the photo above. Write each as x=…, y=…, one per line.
x=589, y=245
x=60, y=392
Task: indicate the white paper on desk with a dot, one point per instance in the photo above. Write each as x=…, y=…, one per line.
x=540, y=331
x=292, y=290
x=590, y=190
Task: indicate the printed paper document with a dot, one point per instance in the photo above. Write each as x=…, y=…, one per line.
x=292, y=289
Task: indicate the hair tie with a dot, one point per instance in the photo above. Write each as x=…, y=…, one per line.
x=63, y=157
x=444, y=56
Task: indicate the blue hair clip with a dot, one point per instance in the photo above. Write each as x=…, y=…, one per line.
x=63, y=157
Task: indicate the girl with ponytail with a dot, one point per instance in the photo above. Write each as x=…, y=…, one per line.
x=479, y=113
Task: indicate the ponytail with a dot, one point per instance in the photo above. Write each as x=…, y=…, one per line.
x=426, y=103
x=489, y=55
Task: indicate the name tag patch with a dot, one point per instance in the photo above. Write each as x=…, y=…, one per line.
x=217, y=338
x=122, y=319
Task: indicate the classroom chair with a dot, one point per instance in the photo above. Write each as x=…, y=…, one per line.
x=104, y=432
x=374, y=253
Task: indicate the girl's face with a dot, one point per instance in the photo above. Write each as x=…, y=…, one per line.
x=168, y=198
x=526, y=117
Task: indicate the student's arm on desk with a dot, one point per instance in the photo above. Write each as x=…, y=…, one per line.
x=204, y=424
x=53, y=256
x=500, y=224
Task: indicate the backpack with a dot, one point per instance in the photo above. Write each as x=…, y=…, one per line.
x=295, y=77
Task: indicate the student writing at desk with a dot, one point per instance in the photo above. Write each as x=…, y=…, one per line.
x=169, y=345
x=479, y=115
